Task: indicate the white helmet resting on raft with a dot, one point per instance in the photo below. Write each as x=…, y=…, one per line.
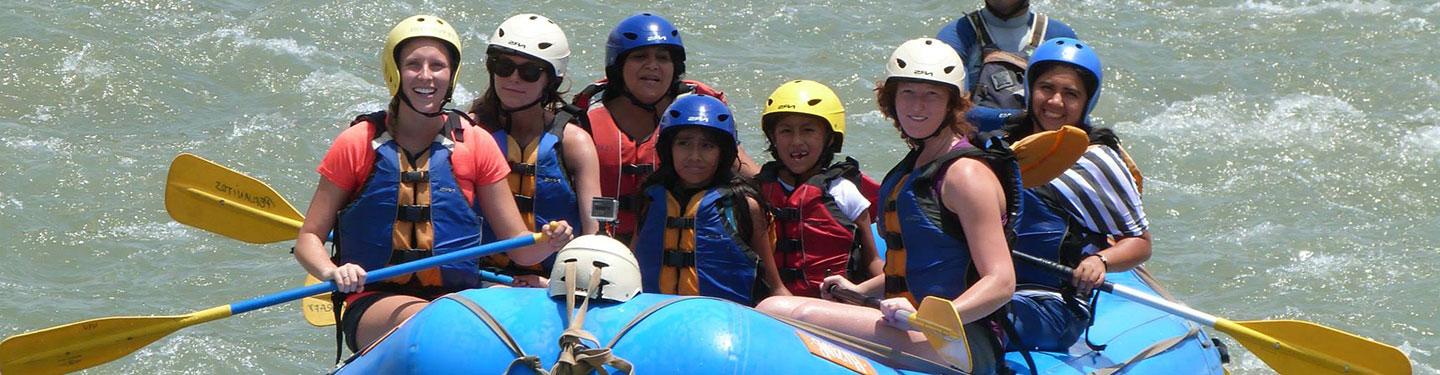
x=619, y=271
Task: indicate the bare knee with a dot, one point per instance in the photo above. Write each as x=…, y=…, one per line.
x=781, y=305
x=384, y=315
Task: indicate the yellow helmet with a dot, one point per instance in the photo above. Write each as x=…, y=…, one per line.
x=807, y=97
x=421, y=26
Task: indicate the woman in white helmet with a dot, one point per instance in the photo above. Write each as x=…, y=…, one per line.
x=408, y=183
x=554, y=172
x=944, y=219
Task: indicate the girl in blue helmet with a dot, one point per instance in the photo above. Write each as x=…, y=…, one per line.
x=644, y=62
x=1097, y=200
x=945, y=208
x=703, y=229
x=553, y=169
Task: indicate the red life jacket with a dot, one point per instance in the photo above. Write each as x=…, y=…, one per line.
x=813, y=238
x=624, y=162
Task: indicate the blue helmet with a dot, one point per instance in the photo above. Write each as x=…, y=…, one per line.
x=643, y=30
x=1069, y=51
x=697, y=110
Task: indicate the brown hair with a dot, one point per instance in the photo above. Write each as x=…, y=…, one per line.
x=955, y=120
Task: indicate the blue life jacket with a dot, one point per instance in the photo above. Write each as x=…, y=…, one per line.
x=366, y=229
x=696, y=249
x=553, y=196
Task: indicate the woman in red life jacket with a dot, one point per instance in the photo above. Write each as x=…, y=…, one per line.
x=409, y=183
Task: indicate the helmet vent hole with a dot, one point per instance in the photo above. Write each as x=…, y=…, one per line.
x=929, y=42
x=632, y=36
x=421, y=19
x=795, y=81
x=674, y=32
x=901, y=63
x=545, y=45
x=500, y=32
x=599, y=264
x=813, y=102
x=723, y=117
x=949, y=69
x=674, y=113
x=768, y=102
x=532, y=18
x=646, y=14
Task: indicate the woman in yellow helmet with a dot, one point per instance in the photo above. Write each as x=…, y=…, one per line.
x=408, y=183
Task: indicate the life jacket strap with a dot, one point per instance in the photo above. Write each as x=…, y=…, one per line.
x=893, y=241
x=789, y=274
x=526, y=169
x=524, y=202
x=399, y=256
x=637, y=169
x=787, y=245
x=413, y=213
x=415, y=176
x=680, y=222
x=678, y=259
x=786, y=213
x=895, y=284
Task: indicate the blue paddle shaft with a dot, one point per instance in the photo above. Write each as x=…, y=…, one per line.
x=382, y=274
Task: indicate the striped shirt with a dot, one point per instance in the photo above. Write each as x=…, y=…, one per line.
x=1100, y=193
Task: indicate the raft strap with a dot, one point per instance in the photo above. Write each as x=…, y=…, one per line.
x=1151, y=351
x=530, y=361
x=576, y=357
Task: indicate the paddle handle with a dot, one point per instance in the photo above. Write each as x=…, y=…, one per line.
x=1124, y=291
x=856, y=298
x=385, y=273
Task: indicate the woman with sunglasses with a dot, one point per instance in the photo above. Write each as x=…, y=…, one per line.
x=408, y=183
x=644, y=63
x=553, y=167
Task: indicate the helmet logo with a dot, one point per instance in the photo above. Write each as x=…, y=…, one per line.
x=786, y=106
x=655, y=38
x=515, y=43
x=697, y=118
x=922, y=72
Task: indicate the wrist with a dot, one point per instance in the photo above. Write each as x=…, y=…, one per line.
x=1103, y=262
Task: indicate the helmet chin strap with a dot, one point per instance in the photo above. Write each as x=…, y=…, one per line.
x=437, y=113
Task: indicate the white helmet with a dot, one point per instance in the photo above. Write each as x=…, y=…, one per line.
x=535, y=36
x=619, y=272
x=927, y=59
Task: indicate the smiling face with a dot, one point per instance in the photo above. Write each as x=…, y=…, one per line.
x=425, y=74
x=799, y=141
x=1058, y=98
x=920, y=108
x=648, y=73
x=696, y=155
x=514, y=91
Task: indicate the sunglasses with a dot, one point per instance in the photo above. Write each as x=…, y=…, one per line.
x=501, y=67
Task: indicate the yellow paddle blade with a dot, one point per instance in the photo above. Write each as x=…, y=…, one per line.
x=209, y=196
x=1300, y=347
x=81, y=345
x=319, y=310
x=1045, y=155
x=944, y=330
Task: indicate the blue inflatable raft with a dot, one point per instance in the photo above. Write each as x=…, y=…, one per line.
x=661, y=334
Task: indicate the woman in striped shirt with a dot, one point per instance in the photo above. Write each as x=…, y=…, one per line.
x=1097, y=200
